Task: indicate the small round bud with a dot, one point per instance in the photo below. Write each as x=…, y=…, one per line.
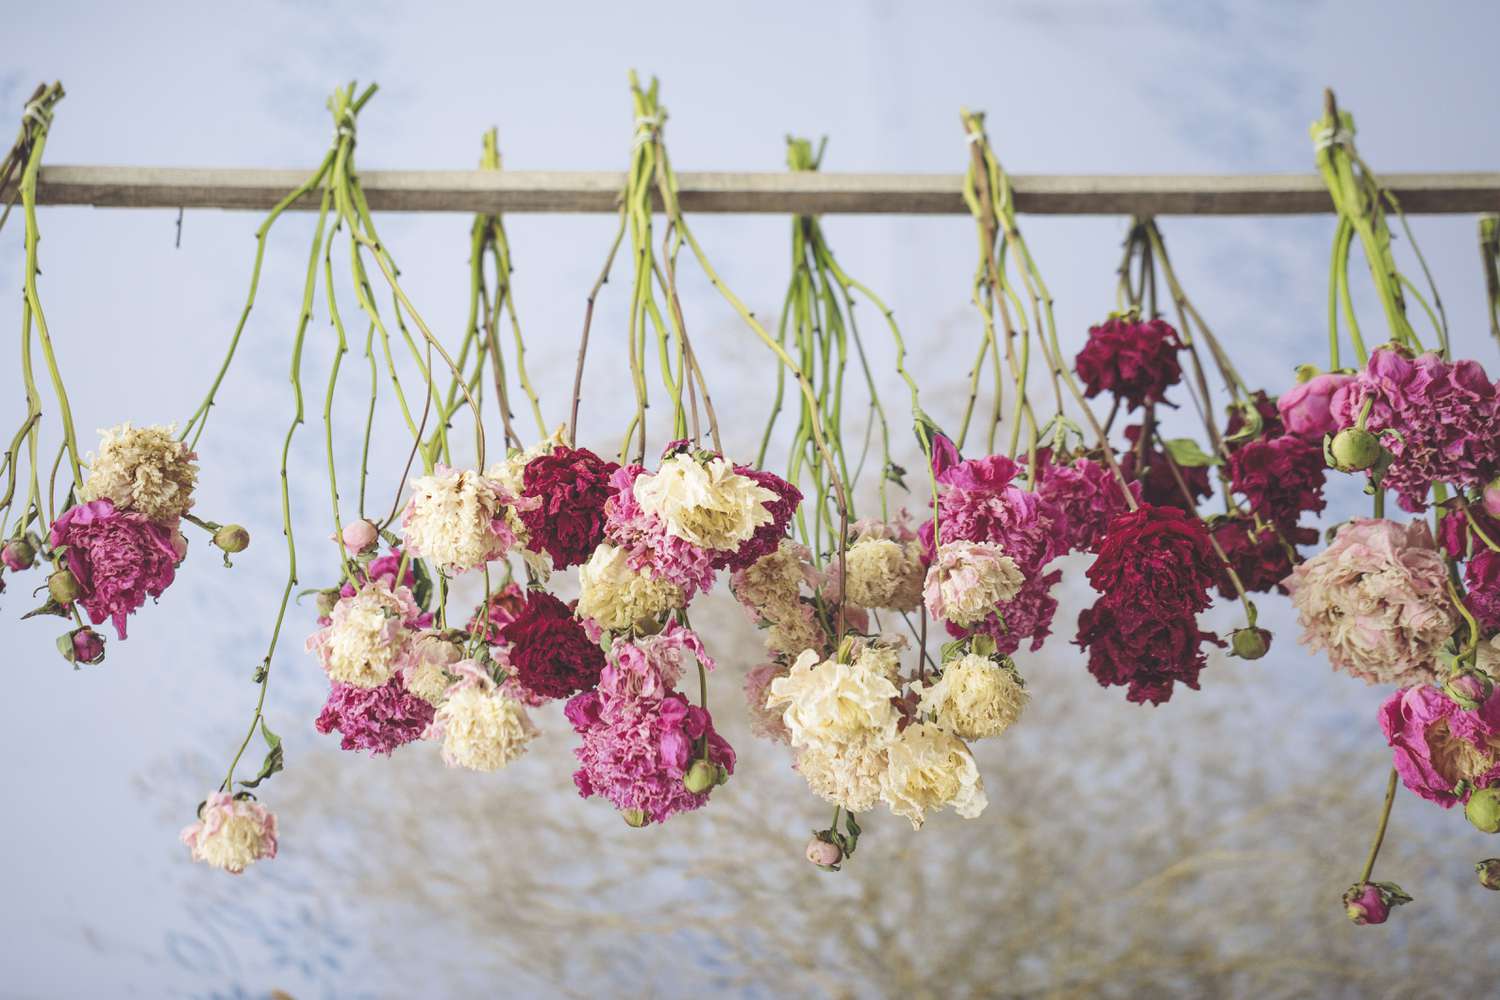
x=64, y=587
x=824, y=853
x=88, y=646
x=1365, y=904
x=701, y=777
x=232, y=538
x=1488, y=871
x=1354, y=450
x=1491, y=498
x=359, y=536
x=18, y=554
x=1483, y=810
x=1468, y=690
x=634, y=817
x=1250, y=643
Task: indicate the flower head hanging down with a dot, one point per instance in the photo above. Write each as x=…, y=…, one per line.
x=1280, y=477
x=833, y=702
x=428, y=670
x=976, y=697
x=1442, y=416
x=1261, y=556
x=617, y=596
x=979, y=501
x=480, y=726
x=1086, y=497
x=710, y=504
x=1133, y=360
x=456, y=519
x=566, y=490
x=768, y=535
x=143, y=469
x=929, y=768
x=119, y=558
x=552, y=655
x=845, y=774
x=501, y=608
x=650, y=666
x=1482, y=580
x=1155, y=561
x=1442, y=752
x=1305, y=407
x=771, y=587
x=648, y=544
x=765, y=722
x=1154, y=475
x=510, y=473
x=375, y=719
x=1027, y=615
x=1376, y=600
x=1145, y=655
x=885, y=566
x=232, y=833
x=367, y=635
x=968, y=580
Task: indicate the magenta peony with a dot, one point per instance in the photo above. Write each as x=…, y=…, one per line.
x=980, y=502
x=119, y=558
x=376, y=719
x=1133, y=360
x=1442, y=752
x=1304, y=408
x=1086, y=497
x=1482, y=578
x=1280, y=477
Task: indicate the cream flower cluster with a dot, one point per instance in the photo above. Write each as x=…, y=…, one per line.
x=481, y=727
x=366, y=637
x=834, y=702
x=428, y=672
x=976, y=697
x=967, y=580
x=231, y=833
x=928, y=768
x=456, y=518
x=885, y=573
x=710, y=505
x=771, y=588
x=615, y=596
x=143, y=469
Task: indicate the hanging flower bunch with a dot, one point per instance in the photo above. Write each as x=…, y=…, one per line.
x=114, y=539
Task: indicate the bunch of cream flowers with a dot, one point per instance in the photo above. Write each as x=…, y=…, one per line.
x=710, y=505
x=615, y=596
x=884, y=568
x=366, y=638
x=835, y=702
x=231, y=833
x=456, y=518
x=968, y=579
x=927, y=768
x=481, y=727
x=143, y=469
x=976, y=697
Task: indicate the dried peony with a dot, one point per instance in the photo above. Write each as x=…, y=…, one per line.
x=648, y=543
x=1482, y=579
x=771, y=587
x=976, y=697
x=1443, y=415
x=566, y=490
x=885, y=573
x=552, y=655
x=1158, y=484
x=928, y=768
x=1304, y=408
x=765, y=722
x=617, y=596
x=480, y=726
x=232, y=832
x=1155, y=562
x=375, y=719
x=1442, y=752
x=367, y=635
x=1280, y=477
x=119, y=558
x=428, y=670
x=1147, y=655
x=980, y=502
x=456, y=519
x=845, y=774
x=798, y=631
x=1262, y=557
x=711, y=505
x=511, y=473
x=1086, y=496
x=832, y=702
x=1028, y=615
x=770, y=534
x=143, y=469
x=968, y=579
x=1133, y=360
x=1376, y=599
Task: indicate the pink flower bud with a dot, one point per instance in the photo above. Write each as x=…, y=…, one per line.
x=359, y=535
x=18, y=554
x=1492, y=498
x=88, y=645
x=1304, y=407
x=1468, y=690
x=824, y=853
x=1365, y=905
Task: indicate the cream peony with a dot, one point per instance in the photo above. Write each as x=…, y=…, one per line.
x=832, y=702
x=798, y=630
x=712, y=506
x=845, y=774
x=976, y=697
x=144, y=469
x=928, y=768
x=885, y=573
x=511, y=472
x=616, y=597
x=481, y=727
x=429, y=662
x=968, y=579
x=456, y=519
x=231, y=833
x=366, y=636
x=771, y=586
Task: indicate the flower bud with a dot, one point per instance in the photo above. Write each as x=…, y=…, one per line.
x=232, y=538
x=1488, y=871
x=1491, y=501
x=64, y=587
x=88, y=646
x=1483, y=810
x=359, y=536
x=326, y=600
x=1354, y=450
x=701, y=777
x=1250, y=643
x=1468, y=690
x=1364, y=904
x=18, y=554
x=824, y=853
x=634, y=817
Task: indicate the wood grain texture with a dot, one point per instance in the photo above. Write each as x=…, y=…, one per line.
x=778, y=193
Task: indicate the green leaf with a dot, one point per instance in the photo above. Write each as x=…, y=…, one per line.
x=852, y=840
x=50, y=608
x=895, y=473
x=1185, y=452
x=421, y=592
x=275, y=759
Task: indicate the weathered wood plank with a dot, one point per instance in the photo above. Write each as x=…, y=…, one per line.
x=780, y=193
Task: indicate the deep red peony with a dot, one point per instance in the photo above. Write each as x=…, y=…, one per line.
x=1280, y=477
x=1262, y=558
x=1146, y=655
x=1159, y=487
x=552, y=655
x=1133, y=360
x=1155, y=562
x=571, y=485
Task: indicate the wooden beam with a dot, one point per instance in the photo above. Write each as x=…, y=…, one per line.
x=778, y=193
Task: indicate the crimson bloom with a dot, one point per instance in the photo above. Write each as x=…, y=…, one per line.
x=571, y=486
x=552, y=655
x=1131, y=359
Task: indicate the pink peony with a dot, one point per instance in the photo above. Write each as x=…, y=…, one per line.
x=1482, y=578
x=1027, y=616
x=650, y=666
x=767, y=723
x=232, y=832
x=1376, y=600
x=119, y=558
x=375, y=719
x=1086, y=497
x=647, y=543
x=979, y=502
x=1438, y=745
x=1304, y=407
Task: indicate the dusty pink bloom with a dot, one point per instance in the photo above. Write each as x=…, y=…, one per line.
x=1376, y=600
x=375, y=719
x=1304, y=407
x=1438, y=745
x=968, y=580
x=1028, y=615
x=119, y=558
x=650, y=666
x=359, y=535
x=766, y=723
x=647, y=542
x=232, y=832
